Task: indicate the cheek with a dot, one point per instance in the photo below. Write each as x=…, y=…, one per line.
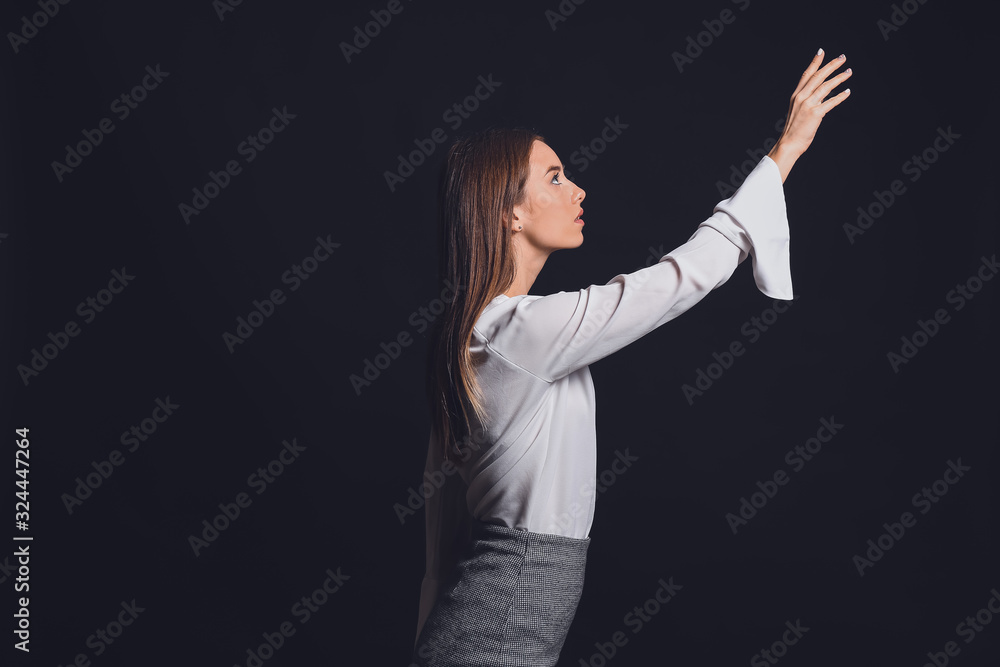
x=552, y=195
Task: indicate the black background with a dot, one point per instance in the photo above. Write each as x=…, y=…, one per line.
x=323, y=176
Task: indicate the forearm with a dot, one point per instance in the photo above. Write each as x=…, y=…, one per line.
x=756, y=222
x=784, y=157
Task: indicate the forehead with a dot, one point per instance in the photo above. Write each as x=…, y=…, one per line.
x=542, y=157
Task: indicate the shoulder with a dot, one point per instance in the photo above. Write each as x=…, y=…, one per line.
x=501, y=313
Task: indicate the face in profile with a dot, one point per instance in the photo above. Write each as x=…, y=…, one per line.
x=550, y=213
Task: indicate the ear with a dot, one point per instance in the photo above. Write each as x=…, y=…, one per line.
x=520, y=214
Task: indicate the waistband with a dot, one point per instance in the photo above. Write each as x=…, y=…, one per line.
x=496, y=532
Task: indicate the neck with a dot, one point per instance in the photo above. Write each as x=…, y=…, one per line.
x=529, y=265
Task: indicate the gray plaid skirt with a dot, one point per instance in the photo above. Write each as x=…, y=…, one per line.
x=514, y=599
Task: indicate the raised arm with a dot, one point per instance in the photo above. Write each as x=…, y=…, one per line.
x=552, y=336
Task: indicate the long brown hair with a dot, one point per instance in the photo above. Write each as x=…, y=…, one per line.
x=481, y=181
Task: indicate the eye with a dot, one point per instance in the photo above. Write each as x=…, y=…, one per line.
x=554, y=177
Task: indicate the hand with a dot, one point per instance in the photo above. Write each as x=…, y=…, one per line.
x=807, y=107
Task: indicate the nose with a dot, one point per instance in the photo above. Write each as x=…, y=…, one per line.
x=581, y=196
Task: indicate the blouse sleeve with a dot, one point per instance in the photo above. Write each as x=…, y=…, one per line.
x=555, y=335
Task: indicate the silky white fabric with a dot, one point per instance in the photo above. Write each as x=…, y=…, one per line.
x=535, y=465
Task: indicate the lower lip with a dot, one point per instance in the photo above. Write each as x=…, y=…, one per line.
x=579, y=221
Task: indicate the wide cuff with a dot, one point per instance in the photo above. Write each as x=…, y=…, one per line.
x=756, y=221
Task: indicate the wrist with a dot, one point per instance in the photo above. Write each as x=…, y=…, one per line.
x=784, y=156
x=786, y=151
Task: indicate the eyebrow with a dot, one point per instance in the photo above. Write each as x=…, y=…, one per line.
x=554, y=167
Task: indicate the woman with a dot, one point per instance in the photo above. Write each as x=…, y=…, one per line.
x=510, y=390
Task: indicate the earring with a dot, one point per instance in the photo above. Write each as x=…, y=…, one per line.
x=519, y=226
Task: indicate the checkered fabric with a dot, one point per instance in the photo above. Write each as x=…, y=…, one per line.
x=514, y=599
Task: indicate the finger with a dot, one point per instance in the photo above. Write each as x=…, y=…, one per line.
x=817, y=79
x=834, y=101
x=828, y=68
x=824, y=89
x=813, y=64
x=810, y=70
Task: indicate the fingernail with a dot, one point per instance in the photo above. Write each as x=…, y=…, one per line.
x=841, y=56
x=820, y=52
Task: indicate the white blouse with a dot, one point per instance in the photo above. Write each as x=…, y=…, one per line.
x=535, y=466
